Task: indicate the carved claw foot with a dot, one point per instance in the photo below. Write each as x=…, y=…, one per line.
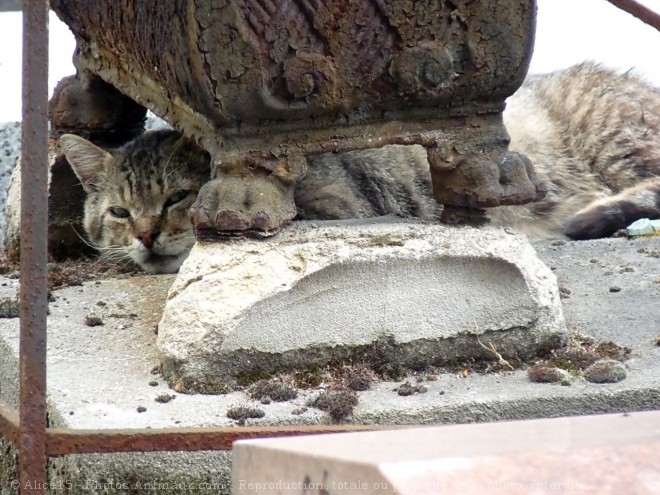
x=475, y=169
x=484, y=181
x=254, y=201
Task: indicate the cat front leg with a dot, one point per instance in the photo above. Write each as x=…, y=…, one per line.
x=254, y=198
x=605, y=217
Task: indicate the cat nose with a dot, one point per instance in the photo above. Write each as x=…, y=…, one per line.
x=148, y=237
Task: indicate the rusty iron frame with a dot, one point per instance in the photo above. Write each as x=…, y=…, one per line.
x=27, y=428
x=636, y=9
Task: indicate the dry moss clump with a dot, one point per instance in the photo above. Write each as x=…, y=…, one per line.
x=408, y=388
x=274, y=390
x=358, y=377
x=545, y=373
x=338, y=403
x=93, y=321
x=582, y=356
x=606, y=371
x=10, y=307
x=243, y=412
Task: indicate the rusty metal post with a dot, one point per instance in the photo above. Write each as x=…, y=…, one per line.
x=34, y=221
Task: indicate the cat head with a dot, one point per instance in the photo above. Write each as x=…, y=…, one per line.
x=138, y=196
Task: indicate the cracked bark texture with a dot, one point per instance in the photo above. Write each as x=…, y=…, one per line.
x=272, y=81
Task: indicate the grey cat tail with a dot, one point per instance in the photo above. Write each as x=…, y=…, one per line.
x=605, y=217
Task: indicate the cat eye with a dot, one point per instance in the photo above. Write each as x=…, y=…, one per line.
x=176, y=197
x=118, y=212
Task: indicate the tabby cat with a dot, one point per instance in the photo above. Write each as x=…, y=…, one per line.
x=593, y=136
x=138, y=196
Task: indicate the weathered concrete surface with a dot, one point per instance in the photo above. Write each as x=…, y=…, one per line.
x=98, y=376
x=604, y=455
x=327, y=293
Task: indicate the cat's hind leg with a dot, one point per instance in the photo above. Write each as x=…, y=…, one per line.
x=604, y=217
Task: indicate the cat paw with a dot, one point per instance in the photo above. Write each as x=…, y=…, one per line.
x=595, y=222
x=255, y=201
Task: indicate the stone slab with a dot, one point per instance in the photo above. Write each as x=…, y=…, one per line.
x=604, y=455
x=320, y=293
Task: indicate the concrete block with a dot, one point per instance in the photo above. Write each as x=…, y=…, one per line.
x=607, y=455
x=99, y=376
x=394, y=291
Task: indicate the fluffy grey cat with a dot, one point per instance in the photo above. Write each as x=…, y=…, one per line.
x=593, y=136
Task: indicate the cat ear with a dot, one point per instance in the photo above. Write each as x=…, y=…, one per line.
x=86, y=159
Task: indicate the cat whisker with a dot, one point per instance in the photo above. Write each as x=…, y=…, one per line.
x=114, y=255
x=177, y=146
x=85, y=241
x=113, y=252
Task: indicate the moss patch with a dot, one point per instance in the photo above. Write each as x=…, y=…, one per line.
x=275, y=390
x=10, y=307
x=242, y=413
x=339, y=403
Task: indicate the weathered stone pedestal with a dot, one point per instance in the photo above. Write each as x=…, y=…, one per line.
x=264, y=85
x=355, y=292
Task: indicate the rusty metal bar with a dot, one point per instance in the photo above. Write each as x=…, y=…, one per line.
x=640, y=11
x=62, y=441
x=32, y=457
x=8, y=422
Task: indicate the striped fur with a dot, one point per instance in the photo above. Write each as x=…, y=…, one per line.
x=594, y=139
x=138, y=196
x=593, y=136
x=394, y=180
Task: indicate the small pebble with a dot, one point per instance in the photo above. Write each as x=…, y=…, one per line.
x=93, y=321
x=605, y=371
x=141, y=409
x=615, y=288
x=543, y=373
x=164, y=398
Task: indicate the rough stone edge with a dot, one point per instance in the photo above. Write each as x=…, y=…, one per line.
x=549, y=327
